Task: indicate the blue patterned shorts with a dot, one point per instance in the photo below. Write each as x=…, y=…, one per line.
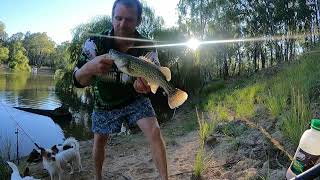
x=109, y=122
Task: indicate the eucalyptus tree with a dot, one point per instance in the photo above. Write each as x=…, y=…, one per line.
x=18, y=61
x=4, y=54
x=39, y=48
x=150, y=22
x=3, y=34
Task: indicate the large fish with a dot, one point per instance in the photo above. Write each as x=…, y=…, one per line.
x=155, y=75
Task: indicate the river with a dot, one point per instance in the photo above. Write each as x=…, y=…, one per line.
x=35, y=91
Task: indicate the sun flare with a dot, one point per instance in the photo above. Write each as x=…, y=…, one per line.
x=193, y=43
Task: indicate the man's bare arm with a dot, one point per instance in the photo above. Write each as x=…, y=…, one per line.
x=97, y=66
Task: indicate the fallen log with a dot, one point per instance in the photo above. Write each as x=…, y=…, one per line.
x=58, y=113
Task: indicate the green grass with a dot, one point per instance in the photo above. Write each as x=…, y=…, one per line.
x=286, y=95
x=297, y=119
x=199, y=163
x=205, y=130
x=4, y=169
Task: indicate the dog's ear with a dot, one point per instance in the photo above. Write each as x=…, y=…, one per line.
x=42, y=151
x=65, y=147
x=54, y=149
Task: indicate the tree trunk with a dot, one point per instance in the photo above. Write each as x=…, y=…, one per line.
x=271, y=55
x=255, y=58
x=225, y=67
x=263, y=58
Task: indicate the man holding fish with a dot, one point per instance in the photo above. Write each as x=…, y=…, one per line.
x=120, y=77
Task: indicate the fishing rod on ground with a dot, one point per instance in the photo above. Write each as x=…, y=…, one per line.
x=311, y=173
x=13, y=119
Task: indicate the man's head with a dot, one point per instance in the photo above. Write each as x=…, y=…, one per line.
x=126, y=16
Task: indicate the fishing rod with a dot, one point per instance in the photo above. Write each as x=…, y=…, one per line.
x=28, y=135
x=311, y=173
x=121, y=38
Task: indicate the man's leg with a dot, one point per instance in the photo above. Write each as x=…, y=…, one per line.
x=98, y=153
x=151, y=130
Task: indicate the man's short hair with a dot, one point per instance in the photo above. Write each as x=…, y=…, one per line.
x=129, y=3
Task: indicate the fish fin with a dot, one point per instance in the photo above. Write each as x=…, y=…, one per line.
x=153, y=87
x=177, y=98
x=148, y=55
x=146, y=59
x=166, y=72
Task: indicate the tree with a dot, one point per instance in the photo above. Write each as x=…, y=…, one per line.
x=18, y=61
x=61, y=56
x=3, y=34
x=16, y=37
x=97, y=25
x=39, y=47
x=150, y=22
x=4, y=54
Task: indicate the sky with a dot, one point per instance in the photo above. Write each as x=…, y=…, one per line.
x=58, y=17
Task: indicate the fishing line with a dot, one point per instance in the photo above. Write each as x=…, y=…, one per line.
x=28, y=135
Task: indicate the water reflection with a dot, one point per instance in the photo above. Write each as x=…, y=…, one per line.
x=36, y=91
x=32, y=129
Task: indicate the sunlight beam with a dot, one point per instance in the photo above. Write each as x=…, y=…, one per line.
x=193, y=44
x=198, y=43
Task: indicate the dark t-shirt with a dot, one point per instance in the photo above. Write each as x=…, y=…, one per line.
x=114, y=89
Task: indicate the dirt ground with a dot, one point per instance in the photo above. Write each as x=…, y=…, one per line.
x=235, y=150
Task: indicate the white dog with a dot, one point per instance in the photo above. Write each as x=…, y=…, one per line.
x=16, y=174
x=55, y=164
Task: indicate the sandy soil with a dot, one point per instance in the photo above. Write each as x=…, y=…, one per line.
x=235, y=150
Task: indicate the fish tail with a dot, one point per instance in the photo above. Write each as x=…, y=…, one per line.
x=177, y=98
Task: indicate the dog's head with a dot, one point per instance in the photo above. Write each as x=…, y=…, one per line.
x=55, y=149
x=47, y=154
x=34, y=156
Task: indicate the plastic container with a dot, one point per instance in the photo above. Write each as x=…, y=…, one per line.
x=308, y=151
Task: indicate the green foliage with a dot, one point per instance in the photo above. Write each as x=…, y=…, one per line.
x=232, y=129
x=61, y=57
x=199, y=163
x=286, y=95
x=212, y=87
x=17, y=59
x=276, y=103
x=205, y=130
x=150, y=22
x=39, y=47
x=4, y=54
x=63, y=78
x=3, y=34
x=97, y=25
x=298, y=117
x=4, y=169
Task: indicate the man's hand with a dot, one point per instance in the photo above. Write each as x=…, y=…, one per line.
x=141, y=86
x=97, y=66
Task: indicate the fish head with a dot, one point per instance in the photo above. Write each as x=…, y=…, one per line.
x=120, y=59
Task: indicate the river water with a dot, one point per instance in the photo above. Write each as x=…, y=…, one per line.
x=35, y=91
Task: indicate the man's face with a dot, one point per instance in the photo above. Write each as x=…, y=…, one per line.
x=124, y=20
